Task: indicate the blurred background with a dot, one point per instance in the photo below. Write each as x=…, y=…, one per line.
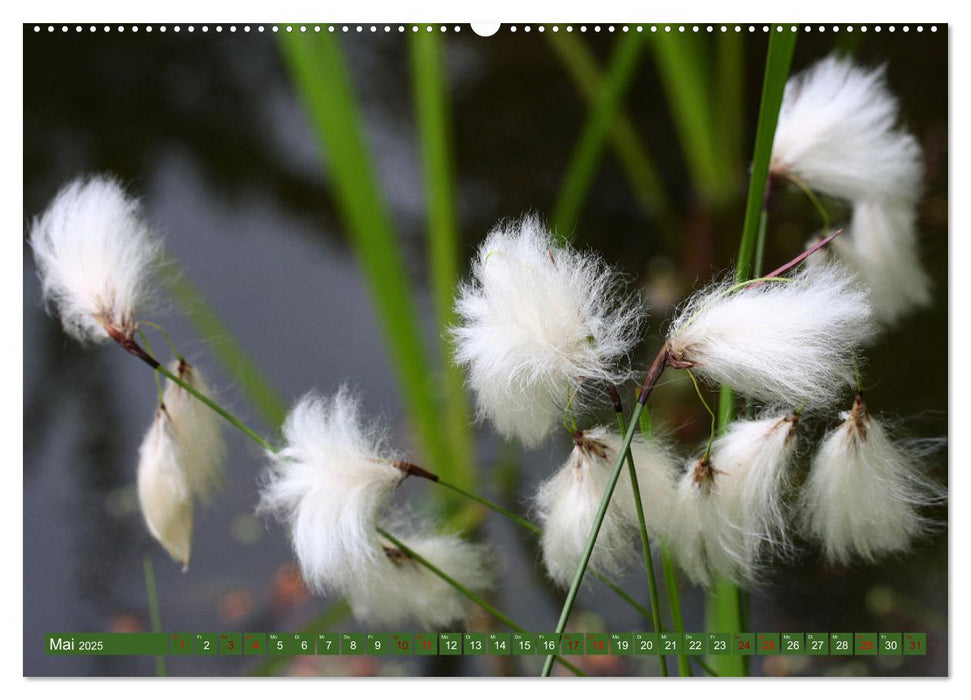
x=316, y=250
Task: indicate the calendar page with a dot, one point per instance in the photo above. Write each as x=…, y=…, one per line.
x=480, y=350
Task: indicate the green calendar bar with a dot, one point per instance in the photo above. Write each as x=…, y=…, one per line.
x=230, y=644
x=719, y=644
x=548, y=642
x=891, y=644
x=474, y=644
x=279, y=644
x=302, y=644
x=206, y=644
x=180, y=644
x=621, y=644
x=767, y=643
x=426, y=644
x=328, y=644
x=106, y=644
x=841, y=644
x=915, y=644
x=598, y=643
x=865, y=644
x=254, y=644
x=378, y=644
x=352, y=644
x=488, y=644
x=500, y=644
x=645, y=644
x=571, y=644
x=524, y=644
x=793, y=644
x=817, y=643
x=695, y=644
x=450, y=644
x=401, y=644
x=743, y=644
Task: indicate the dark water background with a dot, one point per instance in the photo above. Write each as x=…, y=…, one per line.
x=208, y=130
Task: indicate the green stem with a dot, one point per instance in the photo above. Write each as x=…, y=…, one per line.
x=586, y=155
x=645, y=542
x=322, y=79
x=224, y=347
x=434, y=129
x=807, y=190
x=642, y=173
x=474, y=597
x=229, y=417
x=674, y=600
x=724, y=606
x=153, y=613
x=653, y=375
x=667, y=566
x=538, y=531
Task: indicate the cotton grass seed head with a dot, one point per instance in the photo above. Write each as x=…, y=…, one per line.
x=865, y=492
x=197, y=430
x=328, y=483
x=163, y=490
x=94, y=256
x=747, y=494
x=881, y=246
x=568, y=502
x=781, y=342
x=539, y=321
x=396, y=590
x=838, y=132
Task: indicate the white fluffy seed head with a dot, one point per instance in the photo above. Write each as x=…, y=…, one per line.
x=881, y=246
x=781, y=342
x=198, y=432
x=94, y=256
x=537, y=320
x=751, y=480
x=568, y=502
x=395, y=590
x=838, y=132
x=163, y=491
x=865, y=492
x=690, y=521
x=327, y=484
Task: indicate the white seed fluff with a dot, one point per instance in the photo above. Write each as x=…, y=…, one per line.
x=94, y=256
x=747, y=494
x=691, y=521
x=838, y=132
x=881, y=245
x=328, y=483
x=163, y=491
x=865, y=491
x=781, y=342
x=568, y=502
x=197, y=430
x=538, y=319
x=395, y=589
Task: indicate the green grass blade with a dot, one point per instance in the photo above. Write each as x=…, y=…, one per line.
x=724, y=609
x=730, y=95
x=316, y=63
x=683, y=65
x=225, y=348
x=432, y=112
x=153, y=613
x=634, y=158
x=586, y=154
